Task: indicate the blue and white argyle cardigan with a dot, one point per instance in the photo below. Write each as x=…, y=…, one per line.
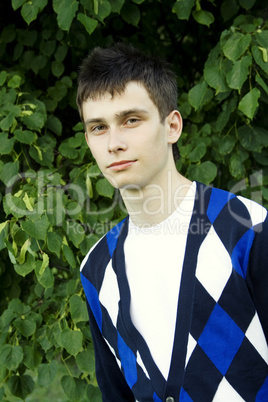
x=220, y=349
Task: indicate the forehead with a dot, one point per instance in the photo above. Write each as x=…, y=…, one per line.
x=134, y=96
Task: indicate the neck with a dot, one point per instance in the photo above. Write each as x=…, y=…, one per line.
x=153, y=203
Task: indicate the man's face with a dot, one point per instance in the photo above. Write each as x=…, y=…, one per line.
x=126, y=138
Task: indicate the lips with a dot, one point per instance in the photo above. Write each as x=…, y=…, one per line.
x=121, y=165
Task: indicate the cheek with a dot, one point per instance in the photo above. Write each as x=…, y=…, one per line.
x=95, y=147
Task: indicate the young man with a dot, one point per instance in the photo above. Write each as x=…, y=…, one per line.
x=177, y=292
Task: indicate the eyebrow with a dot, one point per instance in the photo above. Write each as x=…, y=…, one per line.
x=119, y=115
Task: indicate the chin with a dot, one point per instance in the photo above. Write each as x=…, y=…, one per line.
x=123, y=183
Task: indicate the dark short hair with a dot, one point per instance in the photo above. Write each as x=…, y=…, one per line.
x=111, y=69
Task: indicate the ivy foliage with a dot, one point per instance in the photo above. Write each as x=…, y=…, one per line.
x=55, y=204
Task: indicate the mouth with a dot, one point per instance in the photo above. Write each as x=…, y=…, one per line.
x=121, y=165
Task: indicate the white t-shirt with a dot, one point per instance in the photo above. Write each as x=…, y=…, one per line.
x=154, y=258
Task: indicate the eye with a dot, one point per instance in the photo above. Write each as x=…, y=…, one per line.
x=132, y=121
x=98, y=129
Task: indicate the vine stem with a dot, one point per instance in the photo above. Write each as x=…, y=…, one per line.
x=66, y=366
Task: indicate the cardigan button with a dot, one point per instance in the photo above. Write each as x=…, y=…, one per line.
x=170, y=399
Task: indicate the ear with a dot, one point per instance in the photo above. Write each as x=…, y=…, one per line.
x=175, y=124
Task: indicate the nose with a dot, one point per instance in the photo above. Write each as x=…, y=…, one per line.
x=116, y=142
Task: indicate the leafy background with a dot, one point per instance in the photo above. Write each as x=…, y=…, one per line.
x=54, y=202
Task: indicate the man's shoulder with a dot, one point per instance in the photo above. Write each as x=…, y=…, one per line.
x=230, y=206
x=101, y=252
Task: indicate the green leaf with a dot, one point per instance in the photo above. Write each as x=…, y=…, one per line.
x=6, y=318
x=45, y=263
x=18, y=51
x=93, y=394
x=38, y=228
x=262, y=38
x=261, y=82
x=183, y=8
x=131, y=14
x=86, y=361
x=215, y=77
x=48, y=47
x=38, y=63
x=264, y=54
x=14, y=81
x=41, y=4
x=35, y=121
x=252, y=138
x=65, y=10
x=203, y=17
x=116, y=6
x=73, y=387
x=229, y=9
x=258, y=57
x=249, y=103
x=262, y=159
x=27, y=267
x=77, y=141
x=54, y=243
x=14, y=205
x=47, y=373
x=3, y=225
x=89, y=186
x=102, y=8
x=228, y=108
x=29, y=201
x=78, y=309
x=9, y=173
x=3, y=77
x=8, y=33
x=236, y=166
x=68, y=254
x=57, y=68
x=29, y=12
x=239, y=72
x=6, y=144
x=21, y=385
x=17, y=4
x=75, y=231
x=61, y=53
x=25, y=136
x=197, y=95
x=18, y=307
x=72, y=341
x=54, y=124
x=24, y=249
x=226, y=145
x=236, y=45
x=104, y=188
x=11, y=356
x=43, y=152
x=42, y=335
x=32, y=357
x=89, y=23
x=25, y=325
x=198, y=152
x=28, y=37
x=247, y=4
x=68, y=151
x=7, y=121
x=205, y=172
x=44, y=277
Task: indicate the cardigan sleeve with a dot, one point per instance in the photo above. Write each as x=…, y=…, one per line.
x=111, y=381
x=257, y=276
